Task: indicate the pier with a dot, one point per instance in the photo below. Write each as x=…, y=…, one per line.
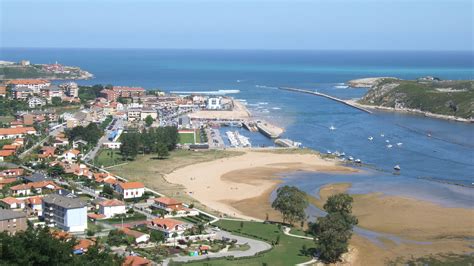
x=328, y=97
x=269, y=130
x=250, y=126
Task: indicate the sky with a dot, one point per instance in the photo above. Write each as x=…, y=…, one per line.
x=239, y=24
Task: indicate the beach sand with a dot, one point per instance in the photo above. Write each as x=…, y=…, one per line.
x=444, y=230
x=240, y=186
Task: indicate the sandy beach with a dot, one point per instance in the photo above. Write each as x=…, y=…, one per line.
x=441, y=229
x=240, y=186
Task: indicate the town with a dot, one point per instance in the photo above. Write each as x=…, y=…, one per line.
x=50, y=139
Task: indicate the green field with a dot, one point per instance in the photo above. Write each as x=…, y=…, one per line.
x=108, y=157
x=186, y=138
x=287, y=252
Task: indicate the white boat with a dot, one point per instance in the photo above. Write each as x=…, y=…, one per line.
x=357, y=161
x=351, y=158
x=332, y=127
x=397, y=167
x=388, y=141
x=328, y=152
x=370, y=138
x=389, y=146
x=399, y=144
x=382, y=135
x=343, y=154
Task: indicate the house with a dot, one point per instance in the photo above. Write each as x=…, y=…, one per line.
x=10, y=147
x=38, y=187
x=76, y=169
x=35, y=204
x=34, y=102
x=13, y=172
x=112, y=207
x=78, y=143
x=167, y=204
x=82, y=247
x=169, y=226
x=4, y=154
x=130, y=190
x=34, y=84
x=12, y=203
x=136, y=261
x=19, y=132
x=71, y=155
x=112, y=145
x=105, y=178
x=139, y=236
x=68, y=214
x=3, y=91
x=12, y=221
x=6, y=181
x=60, y=141
x=46, y=152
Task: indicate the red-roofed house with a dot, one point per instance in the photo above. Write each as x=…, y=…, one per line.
x=71, y=155
x=13, y=172
x=35, y=204
x=25, y=189
x=130, y=190
x=12, y=203
x=173, y=206
x=82, y=246
x=112, y=207
x=19, y=132
x=46, y=152
x=6, y=181
x=136, y=261
x=168, y=226
x=139, y=236
x=5, y=153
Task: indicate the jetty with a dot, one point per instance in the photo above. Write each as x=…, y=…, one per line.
x=269, y=130
x=288, y=143
x=328, y=97
x=250, y=126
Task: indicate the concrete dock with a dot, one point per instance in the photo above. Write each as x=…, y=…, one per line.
x=269, y=130
x=328, y=97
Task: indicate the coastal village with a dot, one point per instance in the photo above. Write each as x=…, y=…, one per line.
x=49, y=176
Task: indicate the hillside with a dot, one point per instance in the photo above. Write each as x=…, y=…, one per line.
x=449, y=98
x=52, y=72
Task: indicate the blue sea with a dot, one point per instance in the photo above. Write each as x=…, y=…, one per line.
x=431, y=166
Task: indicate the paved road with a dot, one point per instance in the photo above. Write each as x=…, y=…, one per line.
x=256, y=246
x=105, y=138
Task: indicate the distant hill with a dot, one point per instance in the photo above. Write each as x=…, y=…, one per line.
x=17, y=71
x=450, y=97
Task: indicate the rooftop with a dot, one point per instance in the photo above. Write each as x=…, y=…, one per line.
x=8, y=214
x=63, y=201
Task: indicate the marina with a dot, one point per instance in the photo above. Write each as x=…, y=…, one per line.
x=238, y=141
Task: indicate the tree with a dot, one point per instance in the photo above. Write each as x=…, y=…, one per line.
x=291, y=203
x=157, y=236
x=162, y=151
x=333, y=232
x=39, y=247
x=56, y=101
x=56, y=170
x=148, y=120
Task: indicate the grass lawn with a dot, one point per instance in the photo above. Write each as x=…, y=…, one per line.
x=135, y=217
x=108, y=157
x=149, y=170
x=6, y=119
x=288, y=252
x=186, y=138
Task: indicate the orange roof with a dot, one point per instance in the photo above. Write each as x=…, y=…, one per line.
x=5, y=153
x=10, y=147
x=135, y=261
x=95, y=216
x=131, y=185
x=27, y=81
x=111, y=203
x=166, y=223
x=167, y=201
x=135, y=234
x=83, y=244
x=61, y=234
x=7, y=180
x=34, y=200
x=73, y=151
x=11, y=200
x=40, y=184
x=16, y=130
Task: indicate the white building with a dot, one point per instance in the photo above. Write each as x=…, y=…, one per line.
x=214, y=103
x=112, y=207
x=70, y=155
x=148, y=112
x=134, y=114
x=169, y=226
x=68, y=214
x=34, y=84
x=34, y=102
x=16, y=133
x=130, y=190
x=112, y=145
x=71, y=89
